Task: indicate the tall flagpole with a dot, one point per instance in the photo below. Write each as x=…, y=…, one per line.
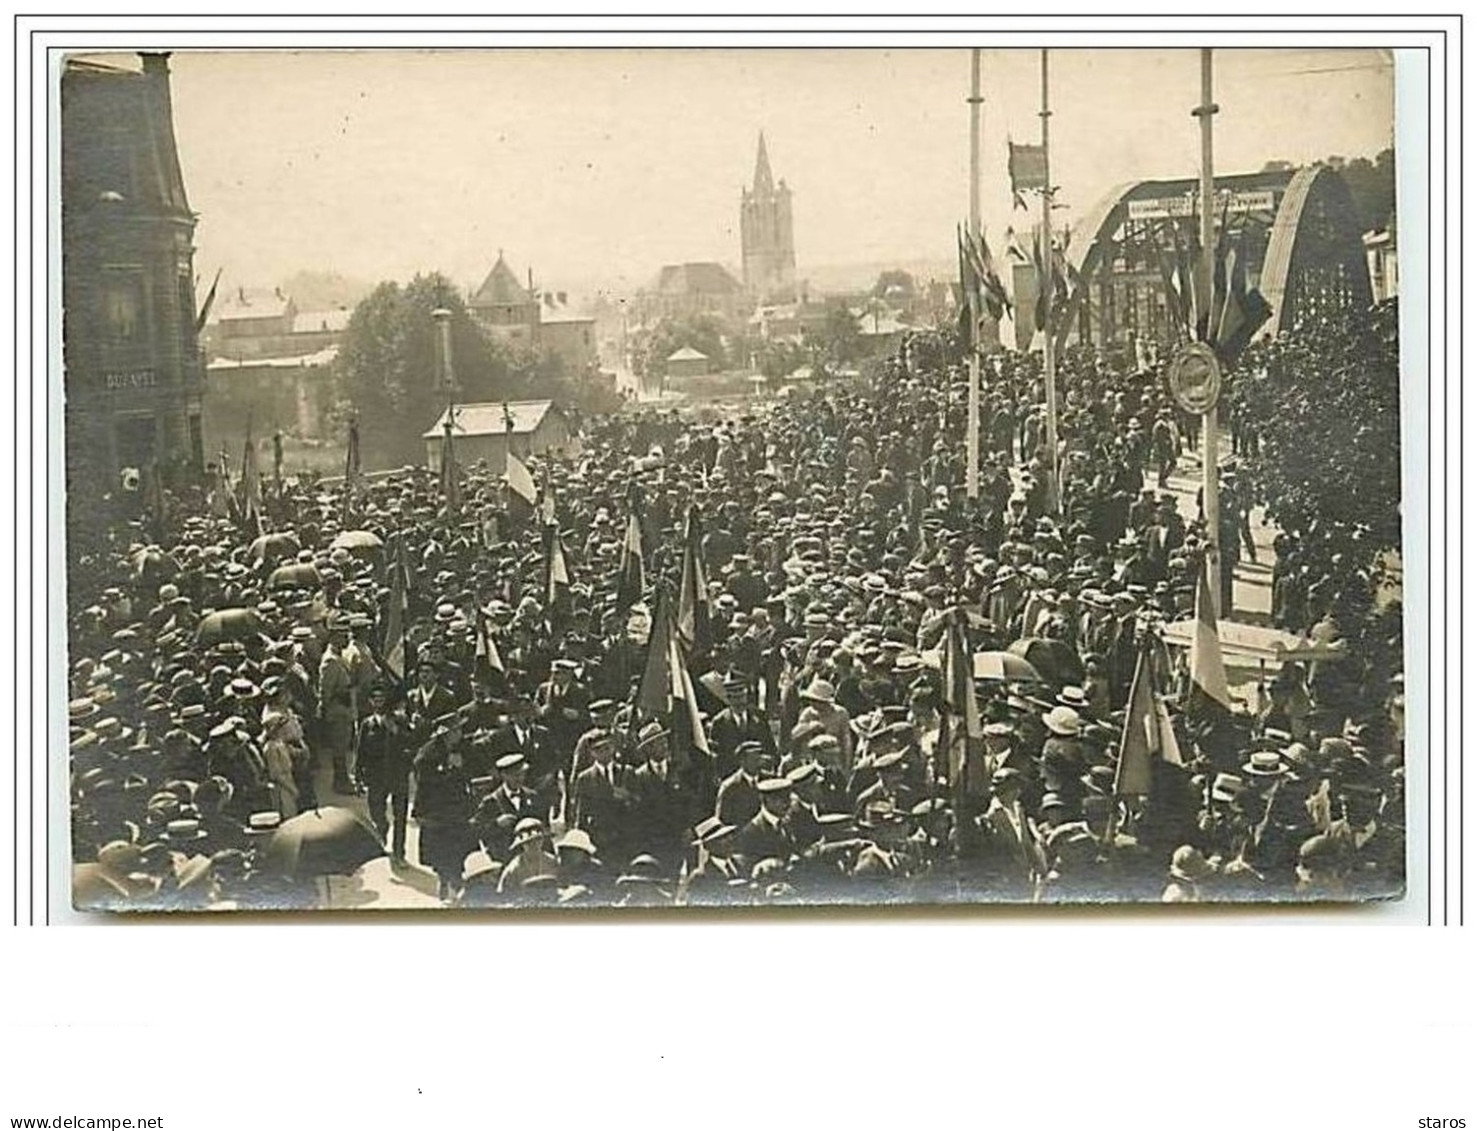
x=1053, y=486
x=1210, y=487
x=972, y=468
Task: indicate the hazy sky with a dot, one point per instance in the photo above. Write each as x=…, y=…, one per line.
x=601, y=164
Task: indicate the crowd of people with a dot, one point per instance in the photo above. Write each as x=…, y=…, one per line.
x=222, y=683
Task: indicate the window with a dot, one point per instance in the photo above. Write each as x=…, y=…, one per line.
x=123, y=307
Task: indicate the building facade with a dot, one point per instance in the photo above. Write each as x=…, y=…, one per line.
x=767, y=232
x=132, y=368
x=512, y=312
x=504, y=306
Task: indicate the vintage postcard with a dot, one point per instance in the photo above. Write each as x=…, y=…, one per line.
x=688, y=477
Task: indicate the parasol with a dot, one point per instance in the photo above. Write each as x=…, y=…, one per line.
x=153, y=566
x=356, y=541
x=331, y=841
x=299, y=575
x=1006, y=667
x=1055, y=660
x=228, y=624
x=274, y=547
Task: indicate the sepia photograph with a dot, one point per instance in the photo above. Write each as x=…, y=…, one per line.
x=687, y=477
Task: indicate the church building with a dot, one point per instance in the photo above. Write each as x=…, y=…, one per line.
x=767, y=230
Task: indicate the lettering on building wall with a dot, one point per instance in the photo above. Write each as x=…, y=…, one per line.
x=133, y=379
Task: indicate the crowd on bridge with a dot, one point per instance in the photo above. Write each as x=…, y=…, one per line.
x=466, y=675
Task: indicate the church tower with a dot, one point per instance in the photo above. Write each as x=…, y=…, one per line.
x=768, y=235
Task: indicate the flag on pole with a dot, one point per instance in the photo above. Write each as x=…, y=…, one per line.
x=487, y=659
x=1148, y=736
x=352, y=469
x=204, y=315
x=520, y=480
x=961, y=714
x=693, y=611
x=1062, y=275
x=978, y=279
x=1027, y=165
x=251, y=489
x=546, y=505
x=1208, y=687
x=632, y=582
x=1014, y=249
x=997, y=301
x=1243, y=312
x=556, y=573
x=968, y=291
x=396, y=614
x=666, y=690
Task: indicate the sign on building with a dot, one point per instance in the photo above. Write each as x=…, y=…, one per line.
x=1168, y=207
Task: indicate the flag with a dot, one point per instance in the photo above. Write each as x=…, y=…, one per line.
x=968, y=286
x=251, y=489
x=961, y=713
x=1148, y=736
x=396, y=614
x=520, y=480
x=666, y=690
x=1173, y=294
x=1243, y=312
x=1027, y=165
x=487, y=659
x=693, y=611
x=546, y=505
x=1062, y=274
x=351, y=469
x=277, y=458
x=1209, y=690
x=997, y=301
x=204, y=315
x=632, y=582
x=979, y=281
x=556, y=570
x=1014, y=249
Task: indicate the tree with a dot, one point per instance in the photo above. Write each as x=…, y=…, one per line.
x=839, y=338
x=896, y=286
x=1324, y=399
x=1372, y=185
x=777, y=358
x=702, y=332
x=387, y=366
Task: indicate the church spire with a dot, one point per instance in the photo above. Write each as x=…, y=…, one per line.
x=763, y=179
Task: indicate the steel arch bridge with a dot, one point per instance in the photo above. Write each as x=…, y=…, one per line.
x=1296, y=231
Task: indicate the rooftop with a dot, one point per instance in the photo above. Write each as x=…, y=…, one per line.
x=695, y=278
x=491, y=419
x=245, y=302
x=321, y=321
x=306, y=361
x=500, y=288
